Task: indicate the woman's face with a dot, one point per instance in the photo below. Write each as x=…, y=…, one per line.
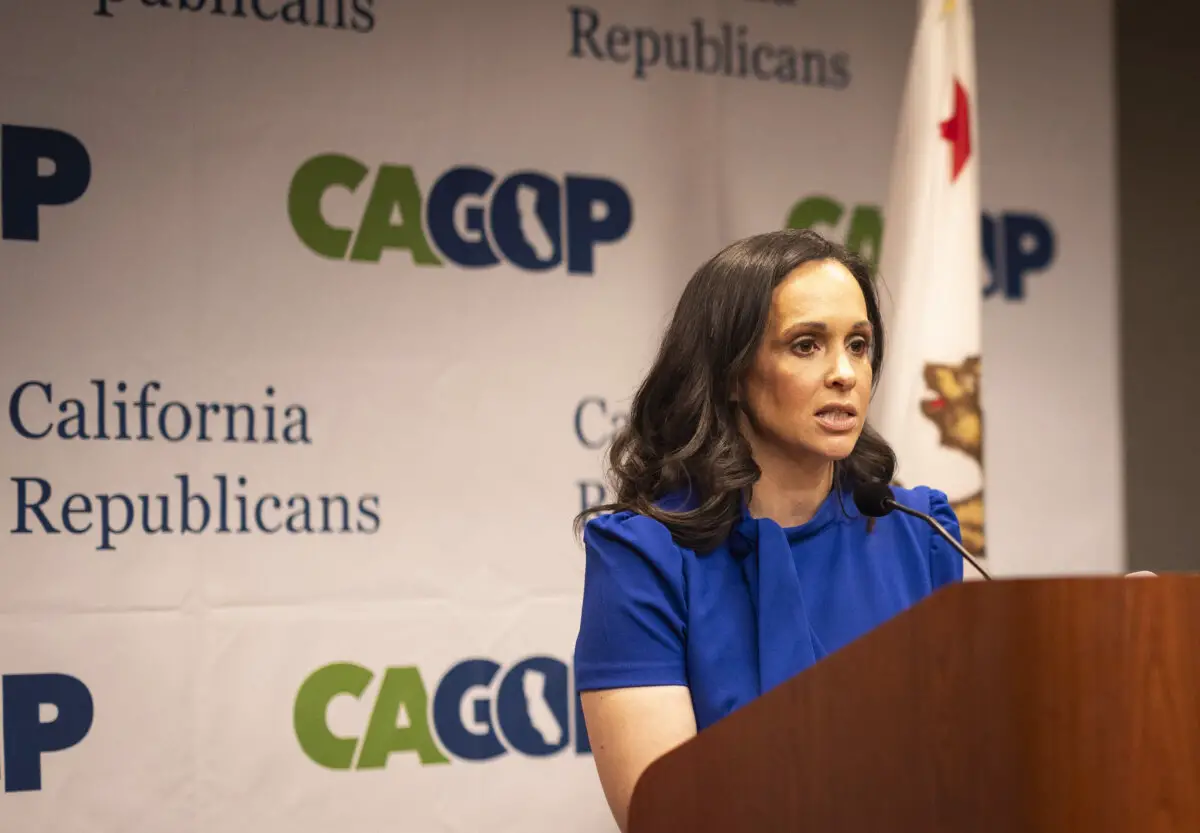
x=808, y=389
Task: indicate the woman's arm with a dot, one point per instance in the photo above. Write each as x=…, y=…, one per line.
x=629, y=728
x=631, y=651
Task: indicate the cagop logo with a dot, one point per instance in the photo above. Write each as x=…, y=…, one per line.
x=26, y=737
x=1014, y=244
x=473, y=218
x=479, y=711
x=25, y=188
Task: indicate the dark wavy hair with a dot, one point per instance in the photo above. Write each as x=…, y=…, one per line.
x=683, y=434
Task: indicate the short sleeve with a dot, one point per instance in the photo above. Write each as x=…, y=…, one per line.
x=633, y=623
x=945, y=563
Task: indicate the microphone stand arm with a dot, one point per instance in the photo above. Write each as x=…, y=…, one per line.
x=941, y=530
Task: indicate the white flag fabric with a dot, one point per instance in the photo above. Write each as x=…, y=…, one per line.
x=928, y=404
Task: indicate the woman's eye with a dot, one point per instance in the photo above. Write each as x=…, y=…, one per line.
x=805, y=346
x=860, y=346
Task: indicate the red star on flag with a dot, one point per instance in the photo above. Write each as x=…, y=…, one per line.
x=957, y=131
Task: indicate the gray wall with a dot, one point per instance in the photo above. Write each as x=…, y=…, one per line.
x=1158, y=124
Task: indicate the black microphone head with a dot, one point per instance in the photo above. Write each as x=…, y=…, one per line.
x=872, y=499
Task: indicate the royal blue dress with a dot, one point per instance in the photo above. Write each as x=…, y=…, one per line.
x=762, y=607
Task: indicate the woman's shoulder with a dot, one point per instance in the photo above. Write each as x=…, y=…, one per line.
x=944, y=562
x=629, y=532
x=621, y=523
x=627, y=523
x=927, y=499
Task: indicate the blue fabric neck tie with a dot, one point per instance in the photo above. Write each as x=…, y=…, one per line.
x=786, y=642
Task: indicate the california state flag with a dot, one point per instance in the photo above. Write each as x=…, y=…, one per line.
x=928, y=402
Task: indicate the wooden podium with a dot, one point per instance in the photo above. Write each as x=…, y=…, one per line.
x=1016, y=706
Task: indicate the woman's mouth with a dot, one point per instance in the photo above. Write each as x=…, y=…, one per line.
x=838, y=418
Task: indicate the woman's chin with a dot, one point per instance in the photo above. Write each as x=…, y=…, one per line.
x=837, y=449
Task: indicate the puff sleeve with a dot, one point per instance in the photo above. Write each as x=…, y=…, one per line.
x=945, y=563
x=632, y=628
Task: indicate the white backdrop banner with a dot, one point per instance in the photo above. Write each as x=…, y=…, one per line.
x=316, y=318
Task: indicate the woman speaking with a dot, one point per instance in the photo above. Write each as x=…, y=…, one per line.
x=733, y=556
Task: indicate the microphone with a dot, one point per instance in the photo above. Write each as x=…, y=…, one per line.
x=875, y=500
